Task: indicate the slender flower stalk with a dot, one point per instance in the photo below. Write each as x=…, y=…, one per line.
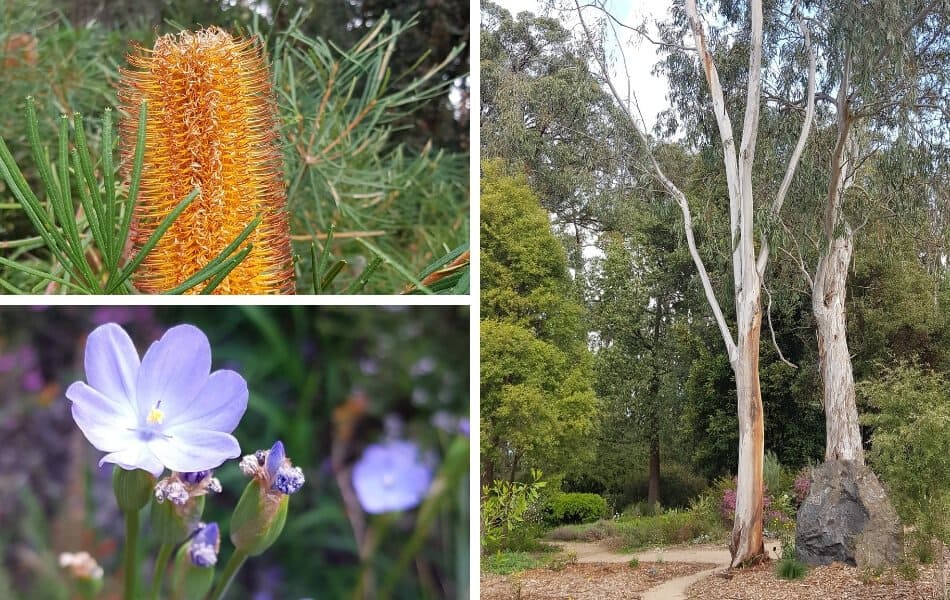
x=212, y=126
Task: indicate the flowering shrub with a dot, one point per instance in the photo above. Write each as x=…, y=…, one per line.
x=802, y=485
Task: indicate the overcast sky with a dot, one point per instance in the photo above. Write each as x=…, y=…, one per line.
x=641, y=55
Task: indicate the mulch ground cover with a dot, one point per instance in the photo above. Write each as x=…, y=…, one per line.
x=584, y=581
x=827, y=582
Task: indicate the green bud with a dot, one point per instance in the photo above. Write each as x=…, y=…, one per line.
x=189, y=580
x=172, y=523
x=89, y=587
x=132, y=488
x=258, y=518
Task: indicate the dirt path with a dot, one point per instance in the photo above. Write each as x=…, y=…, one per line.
x=673, y=589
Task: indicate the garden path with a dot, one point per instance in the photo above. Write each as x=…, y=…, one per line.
x=673, y=589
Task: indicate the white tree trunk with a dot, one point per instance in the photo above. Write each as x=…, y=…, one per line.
x=843, y=436
x=746, y=544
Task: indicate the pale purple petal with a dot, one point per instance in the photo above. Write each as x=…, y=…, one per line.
x=112, y=362
x=391, y=477
x=275, y=458
x=174, y=369
x=106, y=424
x=219, y=405
x=194, y=449
x=135, y=457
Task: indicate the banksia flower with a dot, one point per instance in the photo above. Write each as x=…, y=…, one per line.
x=211, y=124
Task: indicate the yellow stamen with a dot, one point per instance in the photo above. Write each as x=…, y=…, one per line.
x=212, y=123
x=155, y=417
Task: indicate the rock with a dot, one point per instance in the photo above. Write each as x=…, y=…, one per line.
x=847, y=518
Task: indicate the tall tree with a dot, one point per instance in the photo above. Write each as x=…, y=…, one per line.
x=748, y=265
x=544, y=113
x=538, y=407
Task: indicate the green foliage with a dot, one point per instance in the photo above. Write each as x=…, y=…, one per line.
x=910, y=443
x=633, y=563
x=568, y=508
x=400, y=213
x=908, y=571
x=924, y=550
x=538, y=408
x=506, y=563
x=772, y=473
x=506, y=507
x=790, y=569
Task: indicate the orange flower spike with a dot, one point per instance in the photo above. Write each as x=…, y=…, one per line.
x=212, y=124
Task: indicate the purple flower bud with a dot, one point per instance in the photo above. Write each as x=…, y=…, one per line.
x=275, y=459
x=203, y=551
x=288, y=480
x=193, y=477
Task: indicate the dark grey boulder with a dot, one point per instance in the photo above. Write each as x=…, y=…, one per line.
x=847, y=518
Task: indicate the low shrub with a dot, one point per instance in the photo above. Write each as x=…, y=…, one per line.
x=802, y=485
x=908, y=571
x=589, y=532
x=790, y=568
x=633, y=563
x=642, y=509
x=576, y=508
x=506, y=563
x=924, y=550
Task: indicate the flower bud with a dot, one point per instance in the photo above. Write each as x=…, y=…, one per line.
x=132, y=488
x=193, y=572
x=261, y=512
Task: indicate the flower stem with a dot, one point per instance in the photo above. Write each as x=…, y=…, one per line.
x=164, y=554
x=131, y=559
x=230, y=570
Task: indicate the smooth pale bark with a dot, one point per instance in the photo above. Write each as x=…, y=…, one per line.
x=843, y=436
x=829, y=289
x=743, y=351
x=746, y=543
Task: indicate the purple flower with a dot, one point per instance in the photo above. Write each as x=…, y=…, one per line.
x=167, y=411
x=203, y=550
x=391, y=476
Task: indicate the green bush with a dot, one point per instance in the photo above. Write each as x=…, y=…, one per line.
x=909, y=443
x=642, y=509
x=506, y=508
x=772, y=473
x=576, y=508
x=790, y=568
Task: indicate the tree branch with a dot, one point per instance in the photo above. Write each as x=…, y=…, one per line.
x=799, y=146
x=674, y=191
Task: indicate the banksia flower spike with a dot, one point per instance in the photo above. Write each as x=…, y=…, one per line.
x=211, y=124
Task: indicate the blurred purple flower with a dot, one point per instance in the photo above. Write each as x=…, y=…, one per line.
x=203, y=550
x=392, y=476
x=121, y=314
x=32, y=381
x=450, y=423
x=167, y=411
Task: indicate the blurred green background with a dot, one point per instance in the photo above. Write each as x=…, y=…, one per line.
x=327, y=381
x=375, y=141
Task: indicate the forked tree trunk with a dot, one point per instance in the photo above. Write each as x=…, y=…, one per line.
x=843, y=436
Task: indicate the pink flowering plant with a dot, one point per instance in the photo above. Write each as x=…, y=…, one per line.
x=169, y=412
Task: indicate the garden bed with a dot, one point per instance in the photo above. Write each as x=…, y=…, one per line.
x=831, y=581
x=585, y=581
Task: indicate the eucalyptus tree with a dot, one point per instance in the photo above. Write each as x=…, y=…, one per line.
x=544, y=113
x=748, y=265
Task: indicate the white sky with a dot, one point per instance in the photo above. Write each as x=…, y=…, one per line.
x=650, y=90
